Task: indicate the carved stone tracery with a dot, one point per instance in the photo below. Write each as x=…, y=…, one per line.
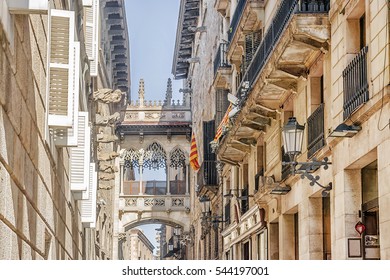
x=178, y=158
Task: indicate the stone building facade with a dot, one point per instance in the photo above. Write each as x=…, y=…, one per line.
x=50, y=96
x=136, y=246
x=326, y=63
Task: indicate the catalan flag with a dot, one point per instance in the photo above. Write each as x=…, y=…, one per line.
x=223, y=123
x=194, y=154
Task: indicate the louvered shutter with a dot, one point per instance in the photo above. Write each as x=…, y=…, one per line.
x=91, y=35
x=60, y=52
x=88, y=206
x=68, y=136
x=80, y=156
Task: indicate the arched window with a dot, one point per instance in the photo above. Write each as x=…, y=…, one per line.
x=178, y=158
x=155, y=157
x=178, y=171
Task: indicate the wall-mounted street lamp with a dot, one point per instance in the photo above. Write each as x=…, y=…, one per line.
x=292, y=134
x=205, y=205
x=208, y=219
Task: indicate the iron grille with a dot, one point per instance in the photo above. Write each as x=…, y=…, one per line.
x=315, y=131
x=355, y=83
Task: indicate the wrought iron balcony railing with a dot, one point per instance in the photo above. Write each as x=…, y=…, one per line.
x=355, y=83
x=315, y=131
x=285, y=12
x=236, y=18
x=207, y=174
x=220, y=58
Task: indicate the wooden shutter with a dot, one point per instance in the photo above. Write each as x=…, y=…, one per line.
x=68, y=136
x=88, y=205
x=80, y=156
x=91, y=35
x=60, y=52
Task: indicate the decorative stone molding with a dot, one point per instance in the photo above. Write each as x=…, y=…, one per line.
x=178, y=115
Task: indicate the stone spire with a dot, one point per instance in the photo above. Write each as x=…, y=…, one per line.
x=168, y=95
x=141, y=92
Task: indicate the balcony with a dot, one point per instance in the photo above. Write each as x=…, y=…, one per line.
x=153, y=187
x=208, y=176
x=248, y=17
x=355, y=83
x=315, y=132
x=296, y=36
x=222, y=68
x=236, y=18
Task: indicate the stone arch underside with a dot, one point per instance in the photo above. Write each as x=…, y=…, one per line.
x=180, y=219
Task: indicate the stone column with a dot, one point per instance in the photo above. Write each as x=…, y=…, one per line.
x=168, y=177
x=346, y=200
x=286, y=237
x=140, y=177
x=121, y=174
x=384, y=198
x=311, y=235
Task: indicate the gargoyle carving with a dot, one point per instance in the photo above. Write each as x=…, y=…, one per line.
x=108, y=95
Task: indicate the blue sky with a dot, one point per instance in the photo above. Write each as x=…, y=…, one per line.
x=152, y=30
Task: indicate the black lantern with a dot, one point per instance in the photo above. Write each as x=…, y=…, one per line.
x=205, y=204
x=293, y=138
x=292, y=134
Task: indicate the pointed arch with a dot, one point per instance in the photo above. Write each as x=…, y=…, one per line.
x=156, y=157
x=177, y=158
x=131, y=158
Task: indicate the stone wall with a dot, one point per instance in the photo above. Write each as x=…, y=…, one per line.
x=38, y=217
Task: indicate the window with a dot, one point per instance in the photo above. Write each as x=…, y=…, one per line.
x=246, y=252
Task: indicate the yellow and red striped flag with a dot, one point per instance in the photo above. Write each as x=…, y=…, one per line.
x=194, y=154
x=223, y=123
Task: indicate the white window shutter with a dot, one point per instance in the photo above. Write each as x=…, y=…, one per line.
x=92, y=35
x=88, y=205
x=68, y=136
x=60, y=99
x=80, y=155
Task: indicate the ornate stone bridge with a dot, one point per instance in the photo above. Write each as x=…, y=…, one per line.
x=153, y=163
